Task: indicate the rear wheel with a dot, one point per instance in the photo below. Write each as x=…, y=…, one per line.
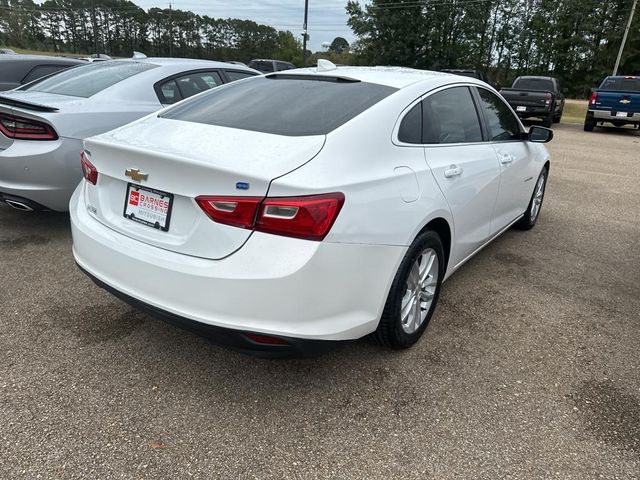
x=548, y=120
x=414, y=293
x=558, y=116
x=535, y=204
x=589, y=124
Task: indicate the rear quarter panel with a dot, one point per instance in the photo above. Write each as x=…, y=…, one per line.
x=390, y=193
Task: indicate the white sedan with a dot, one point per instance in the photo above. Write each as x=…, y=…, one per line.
x=43, y=123
x=287, y=212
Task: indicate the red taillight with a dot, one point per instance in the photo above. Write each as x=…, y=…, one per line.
x=235, y=211
x=89, y=171
x=265, y=339
x=593, y=98
x=21, y=128
x=547, y=98
x=308, y=217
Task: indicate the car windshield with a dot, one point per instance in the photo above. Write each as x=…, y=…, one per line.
x=293, y=105
x=87, y=80
x=621, y=84
x=533, y=84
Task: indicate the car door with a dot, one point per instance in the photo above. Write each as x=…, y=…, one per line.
x=463, y=164
x=505, y=135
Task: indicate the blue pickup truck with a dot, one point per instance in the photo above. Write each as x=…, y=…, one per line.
x=617, y=101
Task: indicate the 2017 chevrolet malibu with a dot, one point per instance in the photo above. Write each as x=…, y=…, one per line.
x=288, y=229
x=43, y=124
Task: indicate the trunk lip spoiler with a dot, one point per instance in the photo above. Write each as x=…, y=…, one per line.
x=27, y=105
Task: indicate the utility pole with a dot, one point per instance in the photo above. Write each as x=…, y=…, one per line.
x=95, y=26
x=624, y=37
x=170, y=33
x=305, y=35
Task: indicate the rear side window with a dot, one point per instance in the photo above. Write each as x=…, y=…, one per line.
x=621, y=84
x=284, y=66
x=450, y=116
x=236, y=75
x=533, y=84
x=410, y=130
x=87, y=80
x=41, y=71
x=185, y=86
x=169, y=93
x=502, y=124
x=265, y=66
x=282, y=105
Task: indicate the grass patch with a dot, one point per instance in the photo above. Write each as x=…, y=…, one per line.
x=574, y=111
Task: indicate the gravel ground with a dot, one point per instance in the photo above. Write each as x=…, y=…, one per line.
x=529, y=369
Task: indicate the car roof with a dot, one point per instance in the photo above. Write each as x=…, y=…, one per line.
x=39, y=59
x=396, y=77
x=138, y=87
x=162, y=61
x=536, y=77
x=270, y=60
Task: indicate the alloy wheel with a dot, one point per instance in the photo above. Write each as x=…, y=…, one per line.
x=537, y=198
x=419, y=291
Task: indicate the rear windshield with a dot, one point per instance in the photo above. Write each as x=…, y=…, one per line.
x=283, y=105
x=87, y=80
x=621, y=84
x=533, y=84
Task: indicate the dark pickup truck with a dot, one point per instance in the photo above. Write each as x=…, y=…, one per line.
x=539, y=97
x=617, y=101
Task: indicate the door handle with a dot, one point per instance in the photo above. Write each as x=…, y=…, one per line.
x=505, y=159
x=453, y=171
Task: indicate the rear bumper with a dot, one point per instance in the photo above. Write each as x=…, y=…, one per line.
x=45, y=173
x=533, y=112
x=234, y=339
x=610, y=116
x=273, y=285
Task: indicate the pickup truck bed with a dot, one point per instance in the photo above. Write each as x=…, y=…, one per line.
x=617, y=101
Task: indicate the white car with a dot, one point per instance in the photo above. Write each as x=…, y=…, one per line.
x=43, y=123
x=287, y=212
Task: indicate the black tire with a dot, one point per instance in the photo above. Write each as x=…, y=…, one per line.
x=558, y=116
x=527, y=222
x=390, y=332
x=548, y=120
x=589, y=124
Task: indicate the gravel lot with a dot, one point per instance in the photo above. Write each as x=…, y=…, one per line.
x=529, y=369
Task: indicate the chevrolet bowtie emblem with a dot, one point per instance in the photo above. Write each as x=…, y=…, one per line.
x=625, y=101
x=136, y=174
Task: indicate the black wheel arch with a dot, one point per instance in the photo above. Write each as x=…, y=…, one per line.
x=442, y=228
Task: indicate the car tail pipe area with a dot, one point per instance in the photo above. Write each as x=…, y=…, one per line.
x=21, y=204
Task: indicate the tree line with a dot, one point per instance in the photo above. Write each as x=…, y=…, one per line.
x=118, y=27
x=574, y=40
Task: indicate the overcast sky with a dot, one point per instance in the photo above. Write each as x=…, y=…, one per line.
x=327, y=18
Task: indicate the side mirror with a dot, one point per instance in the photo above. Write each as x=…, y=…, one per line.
x=540, y=134
x=565, y=91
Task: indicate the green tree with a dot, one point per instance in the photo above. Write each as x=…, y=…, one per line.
x=339, y=45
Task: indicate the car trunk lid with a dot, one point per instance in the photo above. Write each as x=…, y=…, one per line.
x=628, y=102
x=186, y=160
x=526, y=98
